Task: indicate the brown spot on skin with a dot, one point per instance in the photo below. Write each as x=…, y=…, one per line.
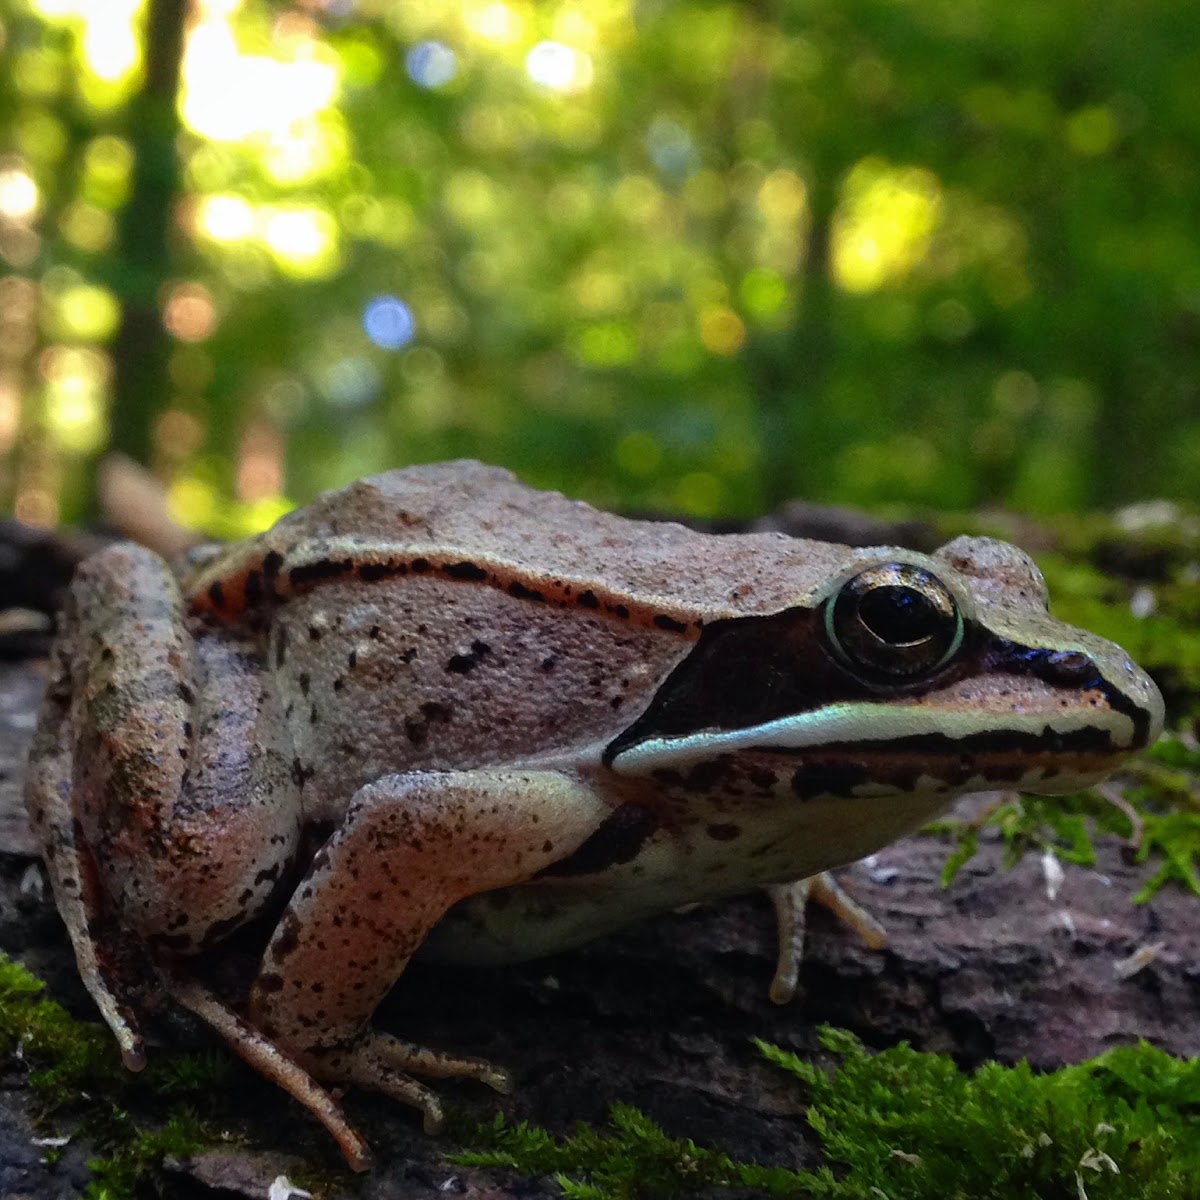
x=305, y=681
x=186, y=694
x=549, y=662
x=587, y=599
x=314, y=633
x=465, y=570
x=669, y=623
x=464, y=664
x=288, y=937
x=216, y=593
x=373, y=572
x=518, y=591
x=420, y=566
x=270, y=982
x=617, y=840
x=416, y=728
x=281, y=641
x=723, y=832
x=254, y=589
x=324, y=569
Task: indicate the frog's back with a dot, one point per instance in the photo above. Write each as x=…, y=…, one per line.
x=480, y=523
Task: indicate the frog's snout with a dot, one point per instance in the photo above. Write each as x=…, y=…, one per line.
x=1144, y=695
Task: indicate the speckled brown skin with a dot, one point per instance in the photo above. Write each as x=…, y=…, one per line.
x=545, y=719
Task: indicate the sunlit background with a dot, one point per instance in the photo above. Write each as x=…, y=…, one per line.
x=693, y=257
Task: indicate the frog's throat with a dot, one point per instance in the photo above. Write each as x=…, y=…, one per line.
x=1104, y=735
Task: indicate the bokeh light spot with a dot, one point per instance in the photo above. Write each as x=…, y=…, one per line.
x=495, y=22
x=304, y=240
x=608, y=344
x=1092, y=130
x=763, y=292
x=230, y=96
x=19, y=197
x=389, y=322
x=670, y=147
x=189, y=313
x=431, y=64
x=86, y=312
x=884, y=225
x=700, y=493
x=225, y=218
x=75, y=398
x=350, y=382
x=722, y=330
x=639, y=453
x=559, y=67
x=87, y=227
x=191, y=501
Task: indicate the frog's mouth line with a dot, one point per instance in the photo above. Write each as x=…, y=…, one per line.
x=1099, y=735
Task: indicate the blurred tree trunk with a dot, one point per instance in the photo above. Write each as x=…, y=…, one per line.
x=791, y=403
x=142, y=346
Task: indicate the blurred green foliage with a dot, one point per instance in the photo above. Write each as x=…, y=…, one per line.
x=686, y=256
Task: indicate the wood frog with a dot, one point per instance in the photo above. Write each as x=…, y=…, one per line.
x=526, y=723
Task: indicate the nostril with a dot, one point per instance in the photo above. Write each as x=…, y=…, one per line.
x=1071, y=665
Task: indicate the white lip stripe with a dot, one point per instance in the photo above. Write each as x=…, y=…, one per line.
x=863, y=723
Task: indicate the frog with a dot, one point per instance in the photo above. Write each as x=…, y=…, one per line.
x=442, y=711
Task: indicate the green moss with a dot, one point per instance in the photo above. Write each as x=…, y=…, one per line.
x=911, y=1126
x=1164, y=801
x=78, y=1080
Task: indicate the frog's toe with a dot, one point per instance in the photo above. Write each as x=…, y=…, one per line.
x=382, y=1063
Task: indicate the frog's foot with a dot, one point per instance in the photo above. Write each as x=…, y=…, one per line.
x=268, y=1059
x=791, y=902
x=386, y=1064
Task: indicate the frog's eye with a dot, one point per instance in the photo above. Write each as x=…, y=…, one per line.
x=894, y=622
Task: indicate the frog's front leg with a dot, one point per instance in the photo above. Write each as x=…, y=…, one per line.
x=791, y=902
x=409, y=847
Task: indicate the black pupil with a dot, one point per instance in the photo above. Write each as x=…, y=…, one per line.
x=898, y=615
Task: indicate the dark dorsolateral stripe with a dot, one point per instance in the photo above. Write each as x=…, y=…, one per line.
x=1068, y=669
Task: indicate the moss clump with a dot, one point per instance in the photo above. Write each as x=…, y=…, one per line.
x=78, y=1078
x=910, y=1126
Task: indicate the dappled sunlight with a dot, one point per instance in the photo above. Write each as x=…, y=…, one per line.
x=232, y=95
x=75, y=382
x=302, y=238
x=885, y=224
x=19, y=195
x=558, y=67
x=109, y=45
x=718, y=252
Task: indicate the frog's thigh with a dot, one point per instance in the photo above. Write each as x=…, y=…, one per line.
x=181, y=782
x=409, y=847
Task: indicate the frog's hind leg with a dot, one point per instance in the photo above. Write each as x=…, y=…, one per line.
x=160, y=788
x=266, y=1058
x=72, y=869
x=410, y=846
x=791, y=902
